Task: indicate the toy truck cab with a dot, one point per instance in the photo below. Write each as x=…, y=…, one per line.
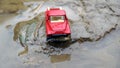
x=57, y=26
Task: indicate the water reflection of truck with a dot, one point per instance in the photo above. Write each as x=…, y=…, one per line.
x=57, y=26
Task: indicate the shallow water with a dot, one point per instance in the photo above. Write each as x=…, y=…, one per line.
x=104, y=53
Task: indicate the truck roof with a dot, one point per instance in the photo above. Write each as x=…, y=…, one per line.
x=55, y=12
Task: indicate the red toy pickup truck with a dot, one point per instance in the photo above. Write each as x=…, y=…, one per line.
x=57, y=26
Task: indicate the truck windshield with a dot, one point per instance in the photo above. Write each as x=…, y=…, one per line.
x=55, y=19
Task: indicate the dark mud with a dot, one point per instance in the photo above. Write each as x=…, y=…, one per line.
x=11, y=6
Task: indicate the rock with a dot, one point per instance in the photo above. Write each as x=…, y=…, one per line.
x=97, y=19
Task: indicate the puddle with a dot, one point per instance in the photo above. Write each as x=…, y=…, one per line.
x=30, y=34
x=23, y=40
x=60, y=58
